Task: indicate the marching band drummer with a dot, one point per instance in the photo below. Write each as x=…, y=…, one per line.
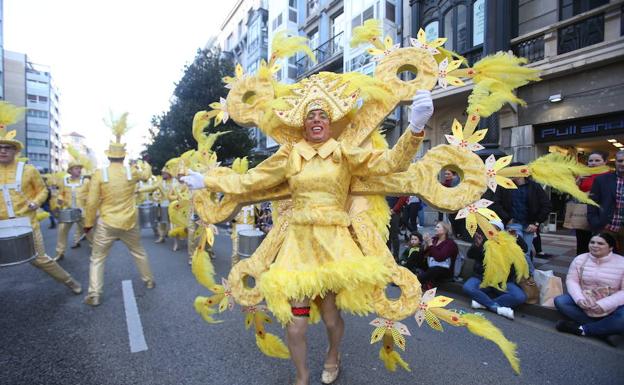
x=23, y=191
x=111, y=191
x=72, y=194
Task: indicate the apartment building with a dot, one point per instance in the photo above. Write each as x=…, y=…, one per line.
x=244, y=38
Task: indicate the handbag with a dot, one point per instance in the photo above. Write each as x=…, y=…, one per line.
x=531, y=290
x=576, y=216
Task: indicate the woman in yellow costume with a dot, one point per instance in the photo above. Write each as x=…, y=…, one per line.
x=327, y=250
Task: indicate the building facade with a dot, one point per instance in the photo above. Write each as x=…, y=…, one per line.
x=244, y=37
x=576, y=44
x=31, y=85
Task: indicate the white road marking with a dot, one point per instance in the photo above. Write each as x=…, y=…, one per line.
x=133, y=320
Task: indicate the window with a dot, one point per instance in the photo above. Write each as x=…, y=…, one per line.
x=229, y=45
x=37, y=142
x=292, y=15
x=456, y=29
x=570, y=8
x=292, y=72
x=278, y=74
x=37, y=113
x=390, y=11
x=277, y=22
x=38, y=127
x=314, y=39
x=312, y=6
x=337, y=31
x=32, y=98
x=369, y=13
x=432, y=31
x=292, y=3
x=478, y=22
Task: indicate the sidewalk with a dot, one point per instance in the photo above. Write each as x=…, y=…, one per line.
x=561, y=245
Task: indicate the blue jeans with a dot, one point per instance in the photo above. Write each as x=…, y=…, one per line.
x=493, y=298
x=599, y=326
x=528, y=239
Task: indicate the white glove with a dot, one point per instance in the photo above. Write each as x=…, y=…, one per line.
x=421, y=111
x=194, y=180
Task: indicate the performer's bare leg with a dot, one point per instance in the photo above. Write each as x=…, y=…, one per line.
x=335, y=329
x=297, y=344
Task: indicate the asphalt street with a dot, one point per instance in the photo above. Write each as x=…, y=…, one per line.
x=48, y=336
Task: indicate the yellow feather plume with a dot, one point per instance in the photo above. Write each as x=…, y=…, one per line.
x=560, y=172
x=505, y=68
x=286, y=44
x=202, y=269
x=240, y=165
x=41, y=215
x=369, y=32
x=272, y=346
x=496, y=76
x=119, y=126
x=10, y=114
x=480, y=326
x=501, y=252
x=205, y=310
x=391, y=358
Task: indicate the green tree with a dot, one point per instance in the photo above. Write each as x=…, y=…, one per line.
x=200, y=85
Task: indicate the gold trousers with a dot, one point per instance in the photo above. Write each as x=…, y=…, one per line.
x=44, y=262
x=191, y=242
x=63, y=231
x=103, y=239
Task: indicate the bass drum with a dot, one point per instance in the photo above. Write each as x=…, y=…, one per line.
x=16, y=242
x=248, y=241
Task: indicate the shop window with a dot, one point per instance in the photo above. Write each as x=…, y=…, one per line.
x=570, y=8
x=456, y=28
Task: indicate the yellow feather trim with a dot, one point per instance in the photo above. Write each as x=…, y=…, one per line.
x=202, y=269
x=480, y=326
x=505, y=68
x=391, y=359
x=177, y=232
x=41, y=215
x=560, y=172
x=10, y=114
x=240, y=165
x=379, y=213
x=272, y=346
x=280, y=286
x=501, y=252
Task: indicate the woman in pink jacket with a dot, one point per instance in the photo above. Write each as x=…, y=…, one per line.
x=595, y=299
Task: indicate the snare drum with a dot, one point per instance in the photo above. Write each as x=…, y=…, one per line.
x=248, y=241
x=147, y=215
x=16, y=241
x=69, y=215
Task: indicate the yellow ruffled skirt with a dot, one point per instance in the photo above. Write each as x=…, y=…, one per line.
x=316, y=260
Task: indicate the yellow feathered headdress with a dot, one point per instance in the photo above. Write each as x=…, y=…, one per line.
x=10, y=114
x=118, y=126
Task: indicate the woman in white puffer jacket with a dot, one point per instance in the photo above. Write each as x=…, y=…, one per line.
x=595, y=299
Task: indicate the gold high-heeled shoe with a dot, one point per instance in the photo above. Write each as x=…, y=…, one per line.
x=330, y=372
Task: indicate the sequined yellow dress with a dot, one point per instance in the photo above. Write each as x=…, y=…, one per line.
x=319, y=254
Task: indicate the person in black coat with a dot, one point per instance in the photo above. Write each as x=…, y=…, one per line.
x=522, y=209
x=609, y=216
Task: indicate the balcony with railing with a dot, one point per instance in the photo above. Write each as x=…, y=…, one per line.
x=325, y=54
x=599, y=25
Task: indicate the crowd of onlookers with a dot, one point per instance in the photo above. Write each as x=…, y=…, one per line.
x=593, y=302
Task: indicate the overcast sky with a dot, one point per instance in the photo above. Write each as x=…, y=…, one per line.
x=123, y=55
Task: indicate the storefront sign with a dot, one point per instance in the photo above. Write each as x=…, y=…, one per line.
x=609, y=125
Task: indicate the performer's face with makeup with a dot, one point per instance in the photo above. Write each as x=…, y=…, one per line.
x=316, y=126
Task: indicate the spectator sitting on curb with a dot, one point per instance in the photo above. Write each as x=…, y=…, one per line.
x=496, y=301
x=595, y=299
x=608, y=191
x=412, y=257
x=440, y=251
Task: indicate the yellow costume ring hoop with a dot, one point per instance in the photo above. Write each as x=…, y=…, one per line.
x=415, y=60
x=406, y=304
